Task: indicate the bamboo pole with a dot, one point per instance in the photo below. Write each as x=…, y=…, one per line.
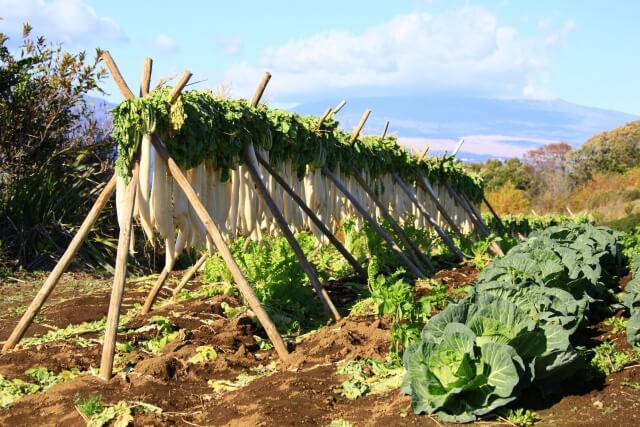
x=119, y=279
x=251, y=162
x=452, y=247
x=423, y=182
x=423, y=153
x=54, y=277
x=384, y=131
x=324, y=116
x=117, y=76
x=155, y=290
x=252, y=165
x=478, y=223
x=458, y=147
x=495, y=214
x=177, y=89
x=146, y=76
x=411, y=267
x=317, y=221
x=223, y=249
x=190, y=273
x=412, y=249
x=338, y=107
x=358, y=128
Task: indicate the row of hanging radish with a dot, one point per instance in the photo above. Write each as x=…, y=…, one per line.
x=161, y=206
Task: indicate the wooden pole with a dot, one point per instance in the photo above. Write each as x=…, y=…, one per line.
x=426, y=186
x=153, y=293
x=260, y=90
x=495, y=214
x=423, y=153
x=317, y=221
x=412, y=249
x=146, y=77
x=252, y=164
x=190, y=273
x=324, y=116
x=53, y=278
x=452, y=247
x=223, y=249
x=358, y=128
x=338, y=107
x=411, y=267
x=117, y=76
x=458, y=147
x=119, y=279
x=478, y=223
x=177, y=89
x=384, y=131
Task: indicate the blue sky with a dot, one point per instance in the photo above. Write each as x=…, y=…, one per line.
x=581, y=51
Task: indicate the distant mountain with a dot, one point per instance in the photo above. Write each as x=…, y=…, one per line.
x=496, y=128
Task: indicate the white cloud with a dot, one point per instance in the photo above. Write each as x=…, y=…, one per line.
x=464, y=50
x=165, y=43
x=68, y=21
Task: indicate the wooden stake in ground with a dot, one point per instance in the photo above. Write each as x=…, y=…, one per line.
x=251, y=162
x=412, y=249
x=495, y=214
x=223, y=249
x=479, y=225
x=317, y=221
x=358, y=128
x=384, y=131
x=54, y=277
x=411, y=267
x=190, y=273
x=426, y=186
x=452, y=247
x=119, y=279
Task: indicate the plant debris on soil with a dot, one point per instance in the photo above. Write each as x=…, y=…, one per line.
x=258, y=389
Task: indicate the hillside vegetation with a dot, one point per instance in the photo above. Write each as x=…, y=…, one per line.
x=602, y=177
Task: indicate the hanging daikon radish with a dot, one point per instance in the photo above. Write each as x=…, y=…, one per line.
x=196, y=178
x=121, y=188
x=235, y=201
x=144, y=188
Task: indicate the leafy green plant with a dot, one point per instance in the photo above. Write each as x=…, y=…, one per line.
x=166, y=332
x=521, y=417
x=120, y=414
x=368, y=376
x=617, y=324
x=90, y=405
x=204, y=353
x=12, y=390
x=607, y=359
x=45, y=378
x=221, y=386
x=458, y=379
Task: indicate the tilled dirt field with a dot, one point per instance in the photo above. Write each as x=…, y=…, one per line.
x=301, y=391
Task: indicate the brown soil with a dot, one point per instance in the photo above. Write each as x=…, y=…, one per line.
x=301, y=392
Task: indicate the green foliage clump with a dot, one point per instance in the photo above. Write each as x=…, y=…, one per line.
x=52, y=153
x=613, y=151
x=515, y=328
